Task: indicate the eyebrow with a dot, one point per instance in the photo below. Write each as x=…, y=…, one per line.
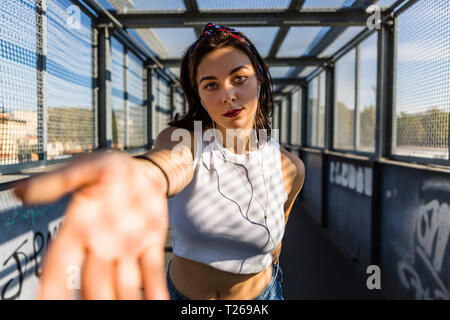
x=231, y=72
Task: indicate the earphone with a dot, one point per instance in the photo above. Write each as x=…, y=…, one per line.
x=251, y=193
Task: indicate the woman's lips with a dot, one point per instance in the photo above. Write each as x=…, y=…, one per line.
x=232, y=113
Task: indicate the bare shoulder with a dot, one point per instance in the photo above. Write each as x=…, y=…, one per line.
x=172, y=136
x=293, y=168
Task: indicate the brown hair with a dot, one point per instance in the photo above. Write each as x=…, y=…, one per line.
x=188, y=73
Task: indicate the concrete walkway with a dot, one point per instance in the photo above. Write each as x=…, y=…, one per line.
x=314, y=268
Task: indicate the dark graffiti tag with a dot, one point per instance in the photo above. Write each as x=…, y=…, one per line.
x=432, y=234
x=16, y=258
x=350, y=176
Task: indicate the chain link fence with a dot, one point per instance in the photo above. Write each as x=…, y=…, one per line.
x=422, y=104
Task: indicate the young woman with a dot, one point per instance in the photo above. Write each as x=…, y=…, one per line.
x=227, y=193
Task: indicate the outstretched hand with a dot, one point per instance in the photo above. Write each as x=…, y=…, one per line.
x=114, y=228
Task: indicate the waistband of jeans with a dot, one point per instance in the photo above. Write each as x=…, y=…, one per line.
x=272, y=281
x=262, y=293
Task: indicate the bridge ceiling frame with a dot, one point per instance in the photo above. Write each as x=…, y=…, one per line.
x=295, y=15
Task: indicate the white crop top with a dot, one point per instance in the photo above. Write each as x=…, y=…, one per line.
x=215, y=221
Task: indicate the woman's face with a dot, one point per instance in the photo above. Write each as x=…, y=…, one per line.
x=226, y=80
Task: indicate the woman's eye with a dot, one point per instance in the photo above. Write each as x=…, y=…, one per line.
x=241, y=78
x=208, y=85
x=238, y=79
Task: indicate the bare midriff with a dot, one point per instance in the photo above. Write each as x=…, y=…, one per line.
x=198, y=281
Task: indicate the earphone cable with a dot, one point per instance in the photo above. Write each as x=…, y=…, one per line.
x=251, y=194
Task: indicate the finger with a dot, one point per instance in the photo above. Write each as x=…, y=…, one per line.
x=128, y=279
x=51, y=186
x=97, y=278
x=152, y=266
x=61, y=267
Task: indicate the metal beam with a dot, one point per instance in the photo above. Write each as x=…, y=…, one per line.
x=41, y=80
x=356, y=113
x=105, y=89
x=300, y=61
x=172, y=88
x=191, y=6
x=404, y=7
x=352, y=44
x=281, y=94
x=304, y=118
x=289, y=119
x=261, y=18
x=276, y=44
x=295, y=5
x=272, y=62
x=150, y=72
x=385, y=90
x=329, y=107
x=127, y=99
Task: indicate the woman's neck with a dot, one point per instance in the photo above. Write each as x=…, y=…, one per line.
x=239, y=141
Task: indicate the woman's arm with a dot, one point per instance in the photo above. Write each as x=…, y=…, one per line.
x=115, y=225
x=293, y=171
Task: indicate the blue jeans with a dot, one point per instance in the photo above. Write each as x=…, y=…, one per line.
x=272, y=291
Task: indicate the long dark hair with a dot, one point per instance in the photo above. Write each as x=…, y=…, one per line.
x=188, y=73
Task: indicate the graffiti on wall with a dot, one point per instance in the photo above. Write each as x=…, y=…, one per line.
x=432, y=229
x=20, y=262
x=25, y=234
x=348, y=175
